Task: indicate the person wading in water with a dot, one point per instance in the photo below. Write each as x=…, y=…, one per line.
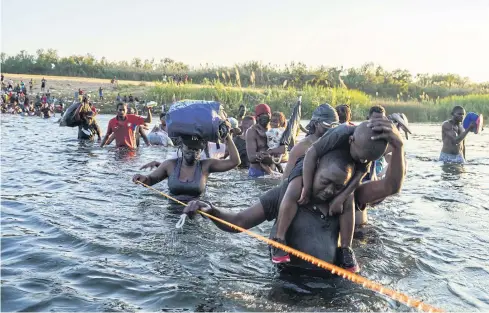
x=453, y=136
x=187, y=175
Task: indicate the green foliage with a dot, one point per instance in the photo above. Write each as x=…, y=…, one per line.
x=431, y=111
x=278, y=98
x=369, y=78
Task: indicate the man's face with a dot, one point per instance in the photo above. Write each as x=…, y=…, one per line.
x=121, y=111
x=163, y=123
x=245, y=125
x=458, y=115
x=321, y=128
x=328, y=181
x=264, y=119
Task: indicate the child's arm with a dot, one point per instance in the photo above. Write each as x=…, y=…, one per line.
x=336, y=205
x=331, y=140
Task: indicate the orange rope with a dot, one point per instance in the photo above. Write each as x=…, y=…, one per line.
x=395, y=295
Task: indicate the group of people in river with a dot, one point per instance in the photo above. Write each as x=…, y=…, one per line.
x=16, y=99
x=329, y=179
x=324, y=190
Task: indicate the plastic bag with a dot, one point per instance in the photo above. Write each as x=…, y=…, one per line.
x=197, y=118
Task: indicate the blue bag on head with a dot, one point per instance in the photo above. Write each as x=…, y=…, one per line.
x=196, y=118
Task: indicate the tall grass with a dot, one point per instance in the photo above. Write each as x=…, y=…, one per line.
x=429, y=111
x=284, y=99
x=279, y=99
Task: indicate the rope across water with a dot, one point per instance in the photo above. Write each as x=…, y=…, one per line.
x=395, y=295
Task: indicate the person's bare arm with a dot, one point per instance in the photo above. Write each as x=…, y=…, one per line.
x=277, y=151
x=159, y=174
x=234, y=160
x=98, y=131
x=110, y=139
x=77, y=112
x=294, y=155
x=374, y=191
x=247, y=218
x=336, y=205
x=148, y=118
x=106, y=137
x=251, y=146
x=150, y=165
x=455, y=138
x=143, y=135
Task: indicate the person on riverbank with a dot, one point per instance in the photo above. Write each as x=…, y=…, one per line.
x=187, y=175
x=453, y=137
x=43, y=84
x=311, y=228
x=31, y=85
x=101, y=93
x=124, y=125
x=256, y=143
x=323, y=118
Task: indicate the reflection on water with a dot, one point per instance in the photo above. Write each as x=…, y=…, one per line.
x=452, y=171
x=77, y=234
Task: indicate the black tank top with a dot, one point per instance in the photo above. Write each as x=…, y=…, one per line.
x=186, y=191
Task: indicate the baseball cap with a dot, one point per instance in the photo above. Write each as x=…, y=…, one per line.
x=326, y=115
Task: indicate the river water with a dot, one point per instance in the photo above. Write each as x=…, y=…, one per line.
x=78, y=235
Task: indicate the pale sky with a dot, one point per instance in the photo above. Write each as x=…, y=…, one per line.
x=423, y=36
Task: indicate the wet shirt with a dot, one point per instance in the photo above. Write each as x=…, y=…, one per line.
x=271, y=200
x=336, y=138
x=124, y=130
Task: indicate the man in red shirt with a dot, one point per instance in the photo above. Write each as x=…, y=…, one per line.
x=123, y=126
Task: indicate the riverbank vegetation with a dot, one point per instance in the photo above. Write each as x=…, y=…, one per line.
x=422, y=97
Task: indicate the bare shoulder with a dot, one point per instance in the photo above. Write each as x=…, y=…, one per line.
x=169, y=162
x=301, y=147
x=447, y=125
x=251, y=133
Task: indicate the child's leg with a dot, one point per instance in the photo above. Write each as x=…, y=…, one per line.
x=346, y=256
x=288, y=207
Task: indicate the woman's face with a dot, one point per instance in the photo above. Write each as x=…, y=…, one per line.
x=191, y=154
